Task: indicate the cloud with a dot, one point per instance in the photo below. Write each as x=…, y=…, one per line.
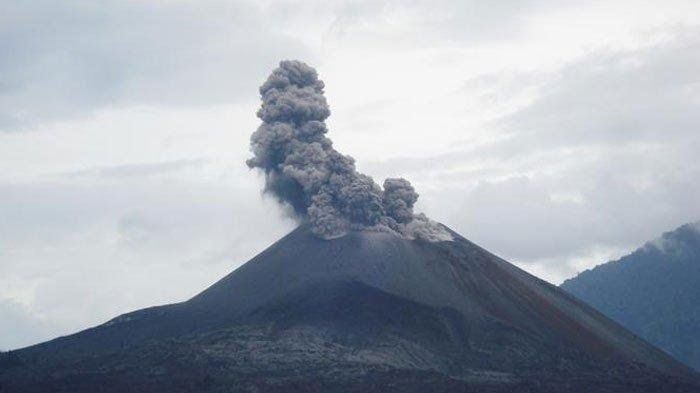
x=19, y=327
x=429, y=23
x=139, y=169
x=65, y=59
x=601, y=158
x=118, y=246
x=646, y=95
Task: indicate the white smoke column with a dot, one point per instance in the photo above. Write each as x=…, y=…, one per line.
x=322, y=186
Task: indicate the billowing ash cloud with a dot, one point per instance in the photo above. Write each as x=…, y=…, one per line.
x=322, y=185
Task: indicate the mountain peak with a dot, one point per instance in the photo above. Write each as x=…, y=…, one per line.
x=370, y=309
x=653, y=291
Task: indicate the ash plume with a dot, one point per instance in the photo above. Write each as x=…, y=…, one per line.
x=303, y=170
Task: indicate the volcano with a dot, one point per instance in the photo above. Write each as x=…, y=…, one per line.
x=364, y=296
x=367, y=312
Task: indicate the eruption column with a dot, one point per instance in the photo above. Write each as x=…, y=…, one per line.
x=303, y=170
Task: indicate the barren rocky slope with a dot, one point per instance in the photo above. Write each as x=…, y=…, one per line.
x=366, y=312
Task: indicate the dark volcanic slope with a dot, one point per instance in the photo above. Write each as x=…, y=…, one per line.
x=654, y=292
x=366, y=312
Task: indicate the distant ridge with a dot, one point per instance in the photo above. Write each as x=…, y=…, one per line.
x=654, y=292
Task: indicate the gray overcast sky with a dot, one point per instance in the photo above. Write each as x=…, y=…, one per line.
x=556, y=134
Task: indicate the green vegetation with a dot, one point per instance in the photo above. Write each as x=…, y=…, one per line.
x=655, y=292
